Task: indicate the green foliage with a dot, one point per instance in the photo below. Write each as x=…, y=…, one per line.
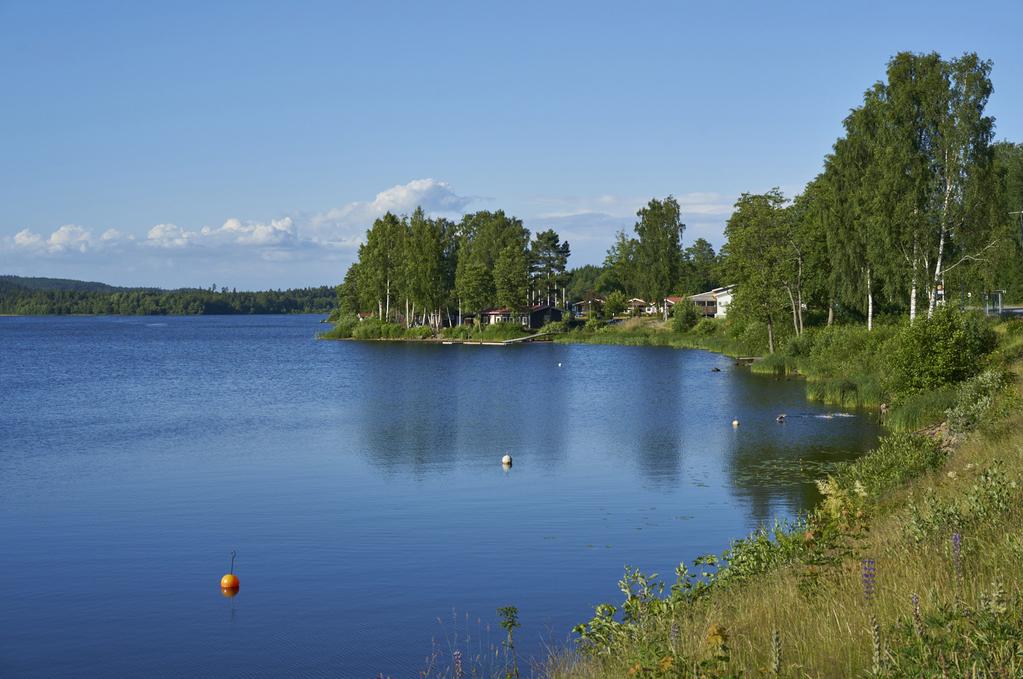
x=419, y=332
x=344, y=325
x=557, y=327
x=706, y=327
x=615, y=303
x=973, y=399
x=937, y=351
x=495, y=332
x=992, y=494
x=897, y=458
x=684, y=315
x=953, y=639
x=659, y=248
x=95, y=298
x=373, y=328
x=921, y=410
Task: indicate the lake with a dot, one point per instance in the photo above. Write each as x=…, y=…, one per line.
x=361, y=485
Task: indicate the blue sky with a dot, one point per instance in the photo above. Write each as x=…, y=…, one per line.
x=251, y=144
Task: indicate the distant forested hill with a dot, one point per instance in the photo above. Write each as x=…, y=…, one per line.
x=46, y=296
x=9, y=282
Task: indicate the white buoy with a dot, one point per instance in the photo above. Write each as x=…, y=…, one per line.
x=506, y=460
x=559, y=365
x=735, y=423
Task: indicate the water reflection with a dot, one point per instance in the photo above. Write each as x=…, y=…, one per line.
x=371, y=467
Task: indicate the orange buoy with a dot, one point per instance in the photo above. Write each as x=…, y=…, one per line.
x=230, y=581
x=228, y=593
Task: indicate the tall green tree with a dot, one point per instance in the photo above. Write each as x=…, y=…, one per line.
x=659, y=250
x=699, y=268
x=548, y=262
x=621, y=266
x=756, y=259
x=511, y=278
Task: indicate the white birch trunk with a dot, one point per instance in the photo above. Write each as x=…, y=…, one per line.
x=870, y=303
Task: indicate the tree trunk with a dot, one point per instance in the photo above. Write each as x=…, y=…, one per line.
x=770, y=334
x=795, y=317
x=938, y=273
x=387, y=311
x=831, y=312
x=870, y=303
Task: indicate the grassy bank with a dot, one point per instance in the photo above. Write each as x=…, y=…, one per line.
x=911, y=566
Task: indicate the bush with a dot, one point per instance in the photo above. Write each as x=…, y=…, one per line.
x=419, y=332
x=343, y=327
x=457, y=332
x=973, y=398
x=373, y=328
x=897, y=459
x=933, y=352
x=555, y=327
x=706, y=327
x=684, y=316
x=593, y=325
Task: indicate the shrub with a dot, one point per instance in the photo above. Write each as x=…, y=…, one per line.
x=419, y=332
x=343, y=327
x=932, y=352
x=555, y=326
x=615, y=303
x=897, y=458
x=973, y=398
x=684, y=316
x=373, y=328
x=706, y=326
x=593, y=324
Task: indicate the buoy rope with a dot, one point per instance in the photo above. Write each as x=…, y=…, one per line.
x=233, y=555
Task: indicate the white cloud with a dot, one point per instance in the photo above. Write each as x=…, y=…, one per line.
x=345, y=225
x=28, y=240
x=169, y=236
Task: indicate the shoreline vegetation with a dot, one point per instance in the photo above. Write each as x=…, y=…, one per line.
x=912, y=564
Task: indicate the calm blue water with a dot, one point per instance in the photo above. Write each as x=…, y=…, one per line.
x=361, y=485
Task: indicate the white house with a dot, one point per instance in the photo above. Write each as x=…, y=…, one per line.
x=714, y=303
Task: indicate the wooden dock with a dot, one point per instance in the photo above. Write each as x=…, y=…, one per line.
x=538, y=337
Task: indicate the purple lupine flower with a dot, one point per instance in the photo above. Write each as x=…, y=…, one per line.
x=957, y=551
x=868, y=577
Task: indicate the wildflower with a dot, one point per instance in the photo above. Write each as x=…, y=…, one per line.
x=666, y=663
x=951, y=475
x=868, y=577
x=859, y=489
